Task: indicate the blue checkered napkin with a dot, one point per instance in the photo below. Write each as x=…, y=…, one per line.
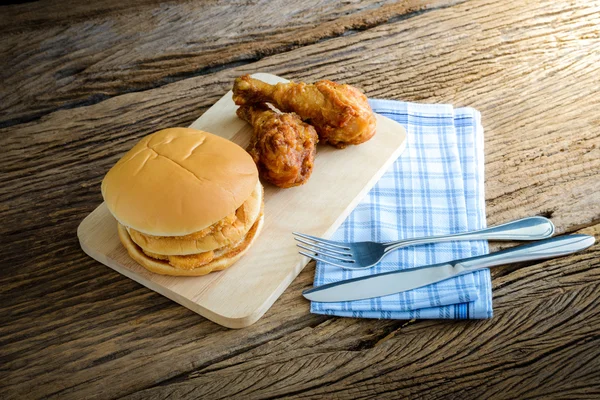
x=434, y=188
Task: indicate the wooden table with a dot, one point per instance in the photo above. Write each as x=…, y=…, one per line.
x=83, y=81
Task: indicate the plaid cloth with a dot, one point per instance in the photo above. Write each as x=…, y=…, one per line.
x=434, y=188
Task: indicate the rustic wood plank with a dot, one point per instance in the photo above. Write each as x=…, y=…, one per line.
x=77, y=329
x=39, y=14
x=62, y=54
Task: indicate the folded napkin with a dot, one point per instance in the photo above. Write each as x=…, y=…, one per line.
x=434, y=188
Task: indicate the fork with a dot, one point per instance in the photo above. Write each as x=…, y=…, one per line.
x=362, y=255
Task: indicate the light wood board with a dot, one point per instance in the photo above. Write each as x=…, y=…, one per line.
x=240, y=295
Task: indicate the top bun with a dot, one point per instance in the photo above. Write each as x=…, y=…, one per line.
x=178, y=181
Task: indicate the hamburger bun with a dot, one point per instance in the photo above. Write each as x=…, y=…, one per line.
x=178, y=181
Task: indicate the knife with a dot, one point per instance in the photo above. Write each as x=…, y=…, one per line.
x=399, y=281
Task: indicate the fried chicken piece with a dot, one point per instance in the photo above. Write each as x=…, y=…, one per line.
x=282, y=146
x=340, y=113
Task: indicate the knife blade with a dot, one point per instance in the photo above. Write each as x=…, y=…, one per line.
x=399, y=281
x=383, y=284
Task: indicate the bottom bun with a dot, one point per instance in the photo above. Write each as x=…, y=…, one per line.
x=164, y=268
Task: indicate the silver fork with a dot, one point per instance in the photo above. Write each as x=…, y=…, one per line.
x=361, y=255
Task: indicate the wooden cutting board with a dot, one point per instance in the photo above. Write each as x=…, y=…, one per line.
x=240, y=295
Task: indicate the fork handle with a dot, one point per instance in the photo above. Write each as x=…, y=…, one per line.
x=549, y=248
x=532, y=228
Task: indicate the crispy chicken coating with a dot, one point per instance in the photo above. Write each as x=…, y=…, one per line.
x=282, y=146
x=340, y=113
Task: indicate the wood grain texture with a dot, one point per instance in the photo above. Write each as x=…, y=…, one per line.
x=114, y=47
x=549, y=351
x=72, y=328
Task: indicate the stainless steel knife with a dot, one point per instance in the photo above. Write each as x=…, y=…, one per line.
x=399, y=281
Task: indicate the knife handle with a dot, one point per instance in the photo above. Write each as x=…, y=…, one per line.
x=548, y=248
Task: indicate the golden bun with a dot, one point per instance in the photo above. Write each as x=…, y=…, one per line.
x=217, y=264
x=215, y=238
x=178, y=181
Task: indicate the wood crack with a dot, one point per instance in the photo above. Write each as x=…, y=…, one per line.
x=198, y=369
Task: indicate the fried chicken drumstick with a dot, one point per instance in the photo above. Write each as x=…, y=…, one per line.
x=340, y=113
x=282, y=146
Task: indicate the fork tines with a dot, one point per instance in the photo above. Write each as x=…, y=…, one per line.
x=320, y=248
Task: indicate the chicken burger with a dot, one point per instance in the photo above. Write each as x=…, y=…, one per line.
x=187, y=202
